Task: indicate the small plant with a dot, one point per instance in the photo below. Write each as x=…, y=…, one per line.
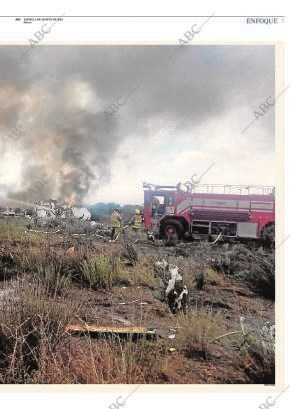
x=142, y=274
x=199, y=327
x=55, y=282
x=129, y=253
x=199, y=280
x=255, y=270
x=100, y=272
x=258, y=360
x=7, y=264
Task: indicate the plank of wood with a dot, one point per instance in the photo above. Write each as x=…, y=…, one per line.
x=106, y=329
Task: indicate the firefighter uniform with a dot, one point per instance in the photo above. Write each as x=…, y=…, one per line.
x=116, y=223
x=137, y=221
x=154, y=206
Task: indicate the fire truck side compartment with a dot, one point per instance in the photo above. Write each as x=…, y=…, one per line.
x=247, y=230
x=200, y=227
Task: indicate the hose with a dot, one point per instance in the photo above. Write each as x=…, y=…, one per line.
x=118, y=235
x=217, y=239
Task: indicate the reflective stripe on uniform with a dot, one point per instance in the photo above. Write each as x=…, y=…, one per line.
x=137, y=221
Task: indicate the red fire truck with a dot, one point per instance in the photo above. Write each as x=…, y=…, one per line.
x=232, y=210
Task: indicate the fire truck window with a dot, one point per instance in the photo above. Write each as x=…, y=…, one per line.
x=169, y=201
x=155, y=201
x=157, y=205
x=154, y=206
x=161, y=209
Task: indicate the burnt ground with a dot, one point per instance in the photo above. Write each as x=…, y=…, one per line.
x=220, y=293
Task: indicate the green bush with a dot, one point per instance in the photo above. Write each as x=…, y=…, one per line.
x=258, y=360
x=56, y=282
x=100, y=272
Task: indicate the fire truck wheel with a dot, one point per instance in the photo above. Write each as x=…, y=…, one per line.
x=172, y=228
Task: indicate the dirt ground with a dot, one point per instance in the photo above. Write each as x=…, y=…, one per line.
x=222, y=299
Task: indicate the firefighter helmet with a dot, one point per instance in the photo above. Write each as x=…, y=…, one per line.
x=137, y=211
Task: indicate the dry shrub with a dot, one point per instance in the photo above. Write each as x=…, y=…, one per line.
x=100, y=361
x=258, y=361
x=197, y=328
x=255, y=269
x=142, y=274
x=252, y=351
x=7, y=264
x=101, y=272
x=256, y=351
x=128, y=252
x=34, y=347
x=11, y=229
x=192, y=274
x=211, y=277
x=30, y=322
x=54, y=282
x=250, y=354
x=57, y=271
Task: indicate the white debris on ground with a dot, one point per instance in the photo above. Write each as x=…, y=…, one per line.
x=73, y=218
x=161, y=264
x=81, y=213
x=175, y=276
x=268, y=335
x=50, y=210
x=176, y=293
x=44, y=212
x=181, y=299
x=161, y=270
x=150, y=236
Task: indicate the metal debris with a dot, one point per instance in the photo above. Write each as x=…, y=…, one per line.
x=268, y=335
x=176, y=293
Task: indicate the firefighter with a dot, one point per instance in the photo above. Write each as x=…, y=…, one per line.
x=154, y=206
x=116, y=224
x=136, y=221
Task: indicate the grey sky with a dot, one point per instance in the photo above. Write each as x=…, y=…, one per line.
x=184, y=115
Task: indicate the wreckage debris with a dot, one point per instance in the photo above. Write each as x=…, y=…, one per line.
x=175, y=276
x=176, y=293
x=150, y=236
x=268, y=335
x=133, y=333
x=177, y=298
x=51, y=210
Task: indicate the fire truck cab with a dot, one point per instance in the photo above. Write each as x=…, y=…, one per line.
x=232, y=210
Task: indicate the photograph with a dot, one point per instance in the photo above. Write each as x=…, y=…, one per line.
x=138, y=183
